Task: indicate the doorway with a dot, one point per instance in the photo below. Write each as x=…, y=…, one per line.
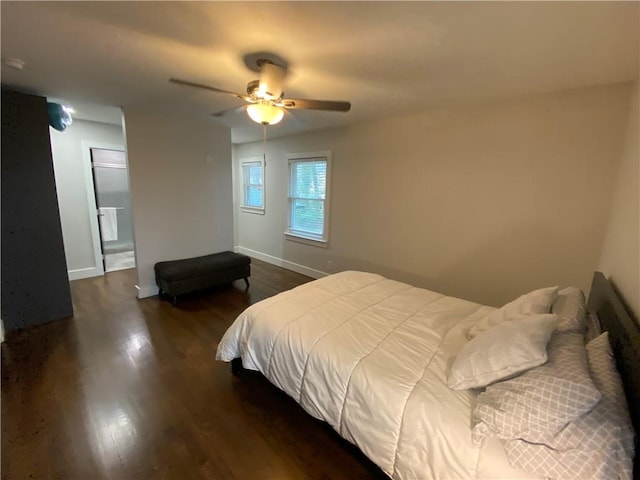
x=113, y=206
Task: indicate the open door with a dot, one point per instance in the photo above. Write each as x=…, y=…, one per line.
x=113, y=202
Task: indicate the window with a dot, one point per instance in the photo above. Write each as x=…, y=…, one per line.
x=253, y=186
x=308, y=197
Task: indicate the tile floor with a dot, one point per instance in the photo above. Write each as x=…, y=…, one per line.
x=119, y=261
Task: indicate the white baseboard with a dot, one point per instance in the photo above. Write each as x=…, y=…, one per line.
x=146, y=291
x=81, y=273
x=310, y=272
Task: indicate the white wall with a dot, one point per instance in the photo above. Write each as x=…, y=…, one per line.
x=181, y=189
x=483, y=203
x=620, y=259
x=73, y=197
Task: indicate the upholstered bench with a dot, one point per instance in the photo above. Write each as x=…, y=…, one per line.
x=178, y=277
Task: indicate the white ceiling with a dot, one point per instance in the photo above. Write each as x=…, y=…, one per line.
x=387, y=58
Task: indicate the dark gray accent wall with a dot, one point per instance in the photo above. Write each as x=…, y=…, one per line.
x=35, y=285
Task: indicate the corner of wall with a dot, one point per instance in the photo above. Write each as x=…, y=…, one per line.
x=145, y=291
x=620, y=254
x=181, y=188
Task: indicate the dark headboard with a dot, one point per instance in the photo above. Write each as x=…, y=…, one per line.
x=624, y=335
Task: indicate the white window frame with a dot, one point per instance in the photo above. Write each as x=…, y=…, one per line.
x=243, y=186
x=306, y=237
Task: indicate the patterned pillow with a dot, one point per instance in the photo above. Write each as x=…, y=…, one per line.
x=570, y=306
x=599, y=444
x=502, y=352
x=540, y=402
x=537, y=301
x=605, y=374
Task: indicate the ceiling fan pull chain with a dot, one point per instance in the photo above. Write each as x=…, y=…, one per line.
x=264, y=144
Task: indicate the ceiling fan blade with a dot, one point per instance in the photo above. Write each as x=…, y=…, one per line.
x=331, y=105
x=188, y=83
x=222, y=113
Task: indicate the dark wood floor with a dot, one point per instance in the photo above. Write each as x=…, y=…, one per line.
x=130, y=389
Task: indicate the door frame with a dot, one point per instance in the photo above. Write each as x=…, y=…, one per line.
x=87, y=145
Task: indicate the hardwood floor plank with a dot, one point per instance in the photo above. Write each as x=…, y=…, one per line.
x=130, y=389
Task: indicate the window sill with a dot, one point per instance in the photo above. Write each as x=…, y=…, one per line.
x=255, y=211
x=297, y=237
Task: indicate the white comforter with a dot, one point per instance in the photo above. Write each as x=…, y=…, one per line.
x=370, y=356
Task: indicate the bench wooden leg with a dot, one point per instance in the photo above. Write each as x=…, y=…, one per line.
x=236, y=366
x=246, y=280
x=175, y=300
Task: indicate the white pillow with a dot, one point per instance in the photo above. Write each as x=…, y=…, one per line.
x=537, y=301
x=503, y=351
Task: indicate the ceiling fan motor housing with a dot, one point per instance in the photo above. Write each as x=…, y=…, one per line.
x=252, y=87
x=271, y=80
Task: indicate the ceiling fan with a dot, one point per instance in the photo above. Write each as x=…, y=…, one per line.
x=264, y=96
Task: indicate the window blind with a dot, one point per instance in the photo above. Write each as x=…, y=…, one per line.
x=308, y=189
x=252, y=175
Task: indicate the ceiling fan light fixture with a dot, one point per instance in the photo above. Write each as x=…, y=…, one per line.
x=265, y=113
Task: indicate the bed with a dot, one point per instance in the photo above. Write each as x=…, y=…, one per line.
x=374, y=358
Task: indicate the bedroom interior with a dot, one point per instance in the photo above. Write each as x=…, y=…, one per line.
x=491, y=149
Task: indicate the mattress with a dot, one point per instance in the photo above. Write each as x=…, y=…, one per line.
x=370, y=356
